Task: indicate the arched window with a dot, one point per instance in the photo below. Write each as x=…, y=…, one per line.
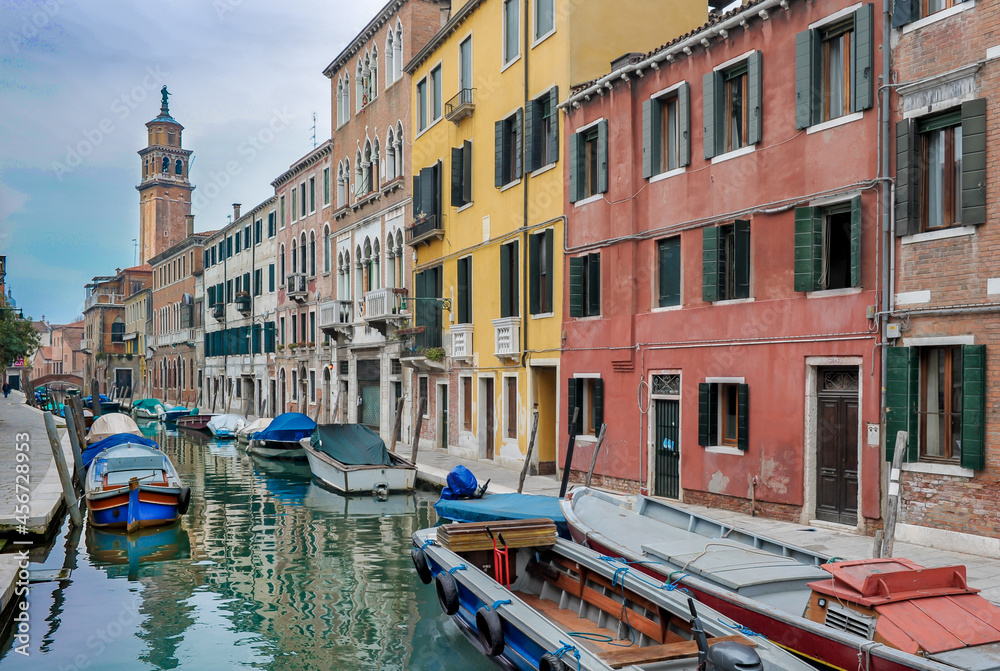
x=359, y=272
x=342, y=184
x=369, y=284
x=359, y=180
x=347, y=276
x=376, y=266
x=347, y=97
x=359, y=84
x=178, y=168
x=367, y=170
x=397, y=52
x=295, y=257
x=389, y=68
x=145, y=169
x=390, y=156
x=312, y=253
x=399, y=149
x=399, y=258
x=373, y=79
x=302, y=252
x=166, y=165
x=327, y=250
x=376, y=164
x=281, y=265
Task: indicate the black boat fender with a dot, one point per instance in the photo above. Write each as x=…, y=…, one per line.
x=447, y=591
x=490, y=629
x=550, y=662
x=420, y=563
x=184, y=500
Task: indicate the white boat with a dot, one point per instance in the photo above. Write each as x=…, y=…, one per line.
x=226, y=426
x=353, y=459
x=280, y=440
x=148, y=408
x=244, y=434
x=109, y=425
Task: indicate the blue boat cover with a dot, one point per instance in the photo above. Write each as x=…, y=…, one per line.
x=462, y=484
x=351, y=444
x=118, y=439
x=288, y=427
x=493, y=507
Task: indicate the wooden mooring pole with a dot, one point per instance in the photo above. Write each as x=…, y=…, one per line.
x=567, y=466
x=892, y=501
x=597, y=448
x=74, y=441
x=396, y=424
x=531, y=448
x=421, y=409
x=69, y=496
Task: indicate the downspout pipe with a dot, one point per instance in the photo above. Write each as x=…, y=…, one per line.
x=889, y=248
x=525, y=289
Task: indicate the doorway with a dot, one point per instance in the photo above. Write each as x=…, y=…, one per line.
x=442, y=431
x=486, y=413
x=837, y=445
x=369, y=391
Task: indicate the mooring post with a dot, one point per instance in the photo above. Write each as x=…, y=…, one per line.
x=422, y=407
x=531, y=448
x=597, y=448
x=396, y=424
x=74, y=441
x=892, y=503
x=95, y=399
x=69, y=496
x=569, y=453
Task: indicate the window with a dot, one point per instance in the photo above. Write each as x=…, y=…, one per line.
x=312, y=194
x=510, y=403
x=422, y=392
x=302, y=200
x=465, y=63
x=509, y=273
x=732, y=107
x=585, y=286
x=540, y=269
x=312, y=386
x=666, y=133
x=937, y=394
x=541, y=127
x=587, y=394
x=467, y=404
x=326, y=186
x=544, y=18
x=422, y=104
x=668, y=257
x=588, y=162
x=833, y=69
x=508, y=149
x=282, y=327
x=229, y=247
x=464, y=308
x=511, y=30
x=461, y=175
x=295, y=193
x=907, y=11
x=941, y=169
x=271, y=228
x=723, y=414
x=270, y=278
x=258, y=231
x=427, y=313
x=118, y=331
x=726, y=262
x=828, y=247
x=436, y=93
x=427, y=195
x=282, y=208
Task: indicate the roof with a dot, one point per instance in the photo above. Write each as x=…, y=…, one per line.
x=40, y=326
x=144, y=268
x=366, y=34
x=306, y=161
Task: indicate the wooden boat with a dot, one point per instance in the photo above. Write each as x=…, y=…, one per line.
x=224, y=427
x=561, y=606
x=244, y=434
x=195, y=422
x=280, y=440
x=353, y=459
x=892, y=614
x=148, y=408
x=109, y=425
x=132, y=485
x=173, y=414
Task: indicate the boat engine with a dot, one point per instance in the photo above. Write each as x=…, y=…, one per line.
x=724, y=655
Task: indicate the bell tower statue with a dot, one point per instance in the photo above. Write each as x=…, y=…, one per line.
x=165, y=192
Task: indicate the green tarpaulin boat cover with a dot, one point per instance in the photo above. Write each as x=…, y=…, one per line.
x=351, y=444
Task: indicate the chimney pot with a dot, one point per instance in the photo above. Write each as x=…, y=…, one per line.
x=236, y=211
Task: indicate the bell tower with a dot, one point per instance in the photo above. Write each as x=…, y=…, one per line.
x=165, y=192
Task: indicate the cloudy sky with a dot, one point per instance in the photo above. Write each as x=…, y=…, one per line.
x=79, y=80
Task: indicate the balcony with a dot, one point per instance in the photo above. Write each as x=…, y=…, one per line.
x=103, y=299
x=243, y=302
x=507, y=337
x=336, y=317
x=461, y=106
x=87, y=344
x=423, y=229
x=384, y=307
x=297, y=288
x=174, y=338
x=219, y=311
x=461, y=341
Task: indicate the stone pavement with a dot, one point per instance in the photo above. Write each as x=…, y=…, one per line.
x=983, y=572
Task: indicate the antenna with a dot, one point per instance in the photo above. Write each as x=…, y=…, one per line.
x=135, y=251
x=314, y=130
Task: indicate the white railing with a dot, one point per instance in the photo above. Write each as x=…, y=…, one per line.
x=335, y=313
x=383, y=303
x=103, y=299
x=461, y=341
x=507, y=336
x=175, y=337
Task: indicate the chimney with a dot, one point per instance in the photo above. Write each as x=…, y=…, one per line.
x=236, y=211
x=625, y=59
x=445, y=12
x=190, y=224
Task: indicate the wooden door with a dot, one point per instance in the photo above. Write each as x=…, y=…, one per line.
x=490, y=421
x=837, y=446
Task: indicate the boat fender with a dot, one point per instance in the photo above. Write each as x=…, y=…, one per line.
x=550, y=662
x=420, y=563
x=490, y=631
x=184, y=500
x=447, y=591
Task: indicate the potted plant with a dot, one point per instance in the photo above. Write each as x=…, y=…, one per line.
x=280, y=347
x=435, y=353
x=293, y=346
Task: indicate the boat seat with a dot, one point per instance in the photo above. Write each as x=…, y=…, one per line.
x=622, y=657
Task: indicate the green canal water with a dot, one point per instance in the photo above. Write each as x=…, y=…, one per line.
x=267, y=570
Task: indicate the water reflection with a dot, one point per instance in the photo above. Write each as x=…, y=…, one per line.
x=266, y=571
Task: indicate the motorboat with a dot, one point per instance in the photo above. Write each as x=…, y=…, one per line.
x=109, y=425
x=148, y=408
x=243, y=435
x=280, y=439
x=176, y=412
x=353, y=459
x=225, y=426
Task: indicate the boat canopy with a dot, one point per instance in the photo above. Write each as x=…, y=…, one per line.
x=111, y=424
x=493, y=507
x=232, y=423
x=288, y=427
x=351, y=444
x=255, y=426
x=148, y=404
x=118, y=439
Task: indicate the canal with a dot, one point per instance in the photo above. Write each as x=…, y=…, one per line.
x=267, y=570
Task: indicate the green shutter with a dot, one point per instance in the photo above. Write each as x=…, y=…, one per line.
x=897, y=397
x=518, y=142
x=576, y=286
x=498, y=156
x=467, y=172
x=571, y=405
x=755, y=94
x=684, y=124
x=743, y=416
x=428, y=193
x=904, y=11
x=973, y=406
x=709, y=112
x=650, y=160
x=417, y=207
x=463, y=290
x=533, y=273
x=706, y=414
x=856, y=241
x=710, y=264
x=602, y=157
x=550, y=253
x=907, y=168
x=669, y=271
x=515, y=278
x=805, y=93
x=598, y=403
x=457, y=172
x=805, y=263
x=864, y=58
x=531, y=146
x=270, y=278
x=593, y=284
x=419, y=307
x=575, y=178
x=505, y=281
x=553, y=138
x=741, y=248
x=974, y=162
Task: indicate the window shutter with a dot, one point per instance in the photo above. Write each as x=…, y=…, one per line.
x=246, y=282
x=602, y=157
x=669, y=271
x=907, y=169
x=973, y=406
x=270, y=278
x=684, y=124
x=549, y=267
x=417, y=206
x=805, y=95
x=742, y=252
x=710, y=264
x=903, y=12
x=706, y=418
x=515, y=275
x=594, y=284
x=419, y=311
x=505, y=281
x=856, y=241
x=463, y=290
x=743, y=416
x=709, y=104
x=598, y=403
x=649, y=107
x=571, y=396
x=498, y=156
x=805, y=280
x=974, y=162
x=457, y=173
x=531, y=145
x=428, y=193
x=467, y=172
x=553, y=138
x=575, y=178
x=534, y=273
x=897, y=396
x=576, y=287
x=755, y=94
x=518, y=142
x=863, y=58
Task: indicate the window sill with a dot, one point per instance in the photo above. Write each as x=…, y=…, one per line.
x=939, y=469
x=545, y=168
x=830, y=293
x=736, y=153
x=589, y=199
x=833, y=123
x=733, y=301
x=464, y=207
x=725, y=449
x=941, y=234
x=667, y=308
x=542, y=38
x=938, y=16
x=433, y=123
x=510, y=185
x=510, y=63
x=585, y=438
x=668, y=174
x=543, y=315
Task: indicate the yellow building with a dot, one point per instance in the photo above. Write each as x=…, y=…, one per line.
x=488, y=208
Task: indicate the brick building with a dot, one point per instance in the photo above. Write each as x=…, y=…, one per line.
x=107, y=361
x=944, y=367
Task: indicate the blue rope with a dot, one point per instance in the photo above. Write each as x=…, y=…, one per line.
x=566, y=647
x=499, y=602
x=460, y=567
x=429, y=541
x=746, y=631
x=619, y=577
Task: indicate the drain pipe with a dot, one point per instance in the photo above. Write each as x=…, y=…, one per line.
x=525, y=289
x=889, y=251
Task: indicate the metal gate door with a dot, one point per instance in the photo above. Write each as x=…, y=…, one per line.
x=667, y=478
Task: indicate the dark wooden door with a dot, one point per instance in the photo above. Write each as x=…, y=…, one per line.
x=667, y=446
x=837, y=447
x=490, y=422
x=443, y=438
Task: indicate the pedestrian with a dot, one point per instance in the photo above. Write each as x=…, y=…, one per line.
x=6, y=389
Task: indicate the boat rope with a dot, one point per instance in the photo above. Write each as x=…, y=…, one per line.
x=460, y=567
x=746, y=631
x=499, y=602
x=429, y=541
x=866, y=651
x=668, y=586
x=676, y=584
x=566, y=647
x=728, y=547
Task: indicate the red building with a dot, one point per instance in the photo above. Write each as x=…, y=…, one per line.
x=722, y=241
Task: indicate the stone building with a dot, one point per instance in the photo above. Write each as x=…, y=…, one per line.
x=104, y=329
